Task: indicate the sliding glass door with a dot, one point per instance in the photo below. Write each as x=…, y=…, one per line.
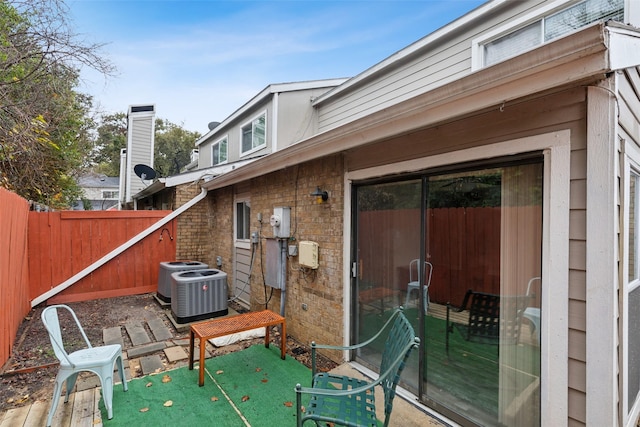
x=461, y=250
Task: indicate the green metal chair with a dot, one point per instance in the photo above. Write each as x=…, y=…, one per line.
x=347, y=401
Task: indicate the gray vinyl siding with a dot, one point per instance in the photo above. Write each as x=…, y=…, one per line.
x=141, y=148
x=442, y=62
x=232, y=130
x=562, y=110
x=297, y=119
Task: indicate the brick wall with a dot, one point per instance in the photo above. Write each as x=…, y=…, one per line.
x=194, y=242
x=206, y=231
x=321, y=290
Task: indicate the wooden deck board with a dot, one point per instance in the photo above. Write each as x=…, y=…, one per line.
x=82, y=410
x=37, y=416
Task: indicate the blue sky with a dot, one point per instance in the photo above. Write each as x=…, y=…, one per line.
x=199, y=61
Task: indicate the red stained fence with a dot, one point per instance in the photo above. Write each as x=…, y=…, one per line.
x=14, y=273
x=463, y=246
x=62, y=244
x=41, y=250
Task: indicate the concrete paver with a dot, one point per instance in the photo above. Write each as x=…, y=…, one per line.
x=146, y=349
x=159, y=329
x=112, y=336
x=151, y=364
x=137, y=334
x=175, y=353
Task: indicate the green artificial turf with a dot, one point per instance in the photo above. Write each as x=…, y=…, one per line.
x=257, y=382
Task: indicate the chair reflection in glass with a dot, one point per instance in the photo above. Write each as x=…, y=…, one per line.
x=414, y=284
x=532, y=314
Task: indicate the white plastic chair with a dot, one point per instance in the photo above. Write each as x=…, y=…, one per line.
x=533, y=313
x=414, y=285
x=99, y=360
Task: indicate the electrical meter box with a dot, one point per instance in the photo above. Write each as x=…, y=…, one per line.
x=308, y=254
x=280, y=221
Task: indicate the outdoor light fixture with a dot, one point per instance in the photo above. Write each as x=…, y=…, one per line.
x=321, y=196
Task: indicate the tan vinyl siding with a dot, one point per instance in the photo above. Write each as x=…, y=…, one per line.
x=241, y=285
x=449, y=60
x=629, y=131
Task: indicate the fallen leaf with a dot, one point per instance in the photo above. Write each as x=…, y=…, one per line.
x=168, y=403
x=258, y=369
x=166, y=379
x=219, y=372
x=303, y=409
x=245, y=398
x=288, y=404
x=144, y=409
x=214, y=398
x=97, y=421
x=264, y=380
x=149, y=384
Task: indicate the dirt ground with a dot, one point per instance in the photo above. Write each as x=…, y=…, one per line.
x=30, y=372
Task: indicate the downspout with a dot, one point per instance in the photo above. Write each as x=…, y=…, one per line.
x=117, y=251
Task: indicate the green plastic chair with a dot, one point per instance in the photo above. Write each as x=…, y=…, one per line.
x=348, y=401
x=99, y=360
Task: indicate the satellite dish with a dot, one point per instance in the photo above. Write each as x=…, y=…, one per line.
x=144, y=172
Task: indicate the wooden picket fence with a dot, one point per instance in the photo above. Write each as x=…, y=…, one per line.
x=14, y=277
x=41, y=250
x=461, y=243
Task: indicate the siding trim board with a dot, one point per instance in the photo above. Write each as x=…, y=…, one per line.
x=602, y=277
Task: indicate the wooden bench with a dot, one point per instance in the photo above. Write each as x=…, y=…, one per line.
x=215, y=328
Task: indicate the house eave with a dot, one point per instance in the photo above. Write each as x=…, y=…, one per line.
x=265, y=94
x=580, y=58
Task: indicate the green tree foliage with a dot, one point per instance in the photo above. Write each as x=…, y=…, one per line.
x=172, y=145
x=111, y=138
x=44, y=121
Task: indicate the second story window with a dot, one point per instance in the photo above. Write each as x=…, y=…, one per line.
x=550, y=27
x=219, y=152
x=254, y=134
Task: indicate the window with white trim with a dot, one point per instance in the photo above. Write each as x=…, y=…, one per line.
x=243, y=217
x=633, y=288
x=219, y=151
x=253, y=134
x=550, y=27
